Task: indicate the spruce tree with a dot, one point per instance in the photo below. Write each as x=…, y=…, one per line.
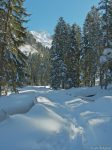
x=58, y=55
x=105, y=8
x=92, y=47
x=73, y=53
x=38, y=67
x=13, y=35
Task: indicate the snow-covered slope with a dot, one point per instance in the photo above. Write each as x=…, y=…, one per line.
x=35, y=41
x=43, y=37
x=39, y=118
x=28, y=49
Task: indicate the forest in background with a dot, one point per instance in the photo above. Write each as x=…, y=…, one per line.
x=78, y=57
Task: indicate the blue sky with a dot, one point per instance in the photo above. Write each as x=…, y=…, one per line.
x=45, y=13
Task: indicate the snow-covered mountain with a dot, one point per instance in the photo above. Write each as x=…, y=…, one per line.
x=42, y=37
x=35, y=42
x=28, y=49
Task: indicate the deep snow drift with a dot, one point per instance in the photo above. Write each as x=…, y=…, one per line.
x=39, y=118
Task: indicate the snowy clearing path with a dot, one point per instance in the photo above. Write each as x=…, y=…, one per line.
x=56, y=120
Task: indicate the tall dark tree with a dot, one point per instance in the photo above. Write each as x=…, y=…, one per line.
x=105, y=8
x=92, y=47
x=73, y=53
x=12, y=14
x=58, y=55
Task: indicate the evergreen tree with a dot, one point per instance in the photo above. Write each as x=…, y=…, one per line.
x=13, y=34
x=91, y=47
x=73, y=53
x=58, y=55
x=105, y=7
x=38, y=67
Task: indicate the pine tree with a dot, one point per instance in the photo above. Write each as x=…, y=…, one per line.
x=73, y=53
x=13, y=35
x=39, y=67
x=105, y=7
x=58, y=55
x=91, y=47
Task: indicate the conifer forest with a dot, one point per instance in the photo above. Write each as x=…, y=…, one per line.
x=55, y=74
x=77, y=56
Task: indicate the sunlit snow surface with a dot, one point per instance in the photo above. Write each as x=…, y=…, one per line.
x=39, y=118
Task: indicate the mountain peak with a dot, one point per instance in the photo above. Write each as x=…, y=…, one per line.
x=43, y=37
x=32, y=41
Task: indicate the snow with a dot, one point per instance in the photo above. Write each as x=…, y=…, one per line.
x=97, y=121
x=103, y=59
x=27, y=49
x=45, y=101
x=107, y=55
x=107, y=51
x=42, y=37
x=39, y=118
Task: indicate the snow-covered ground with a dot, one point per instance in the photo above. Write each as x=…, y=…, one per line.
x=39, y=118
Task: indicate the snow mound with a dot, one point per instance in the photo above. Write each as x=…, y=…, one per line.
x=98, y=121
x=76, y=102
x=58, y=120
x=50, y=121
x=45, y=101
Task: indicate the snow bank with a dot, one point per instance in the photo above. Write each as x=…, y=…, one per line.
x=58, y=120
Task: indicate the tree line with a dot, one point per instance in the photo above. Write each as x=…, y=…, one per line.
x=80, y=58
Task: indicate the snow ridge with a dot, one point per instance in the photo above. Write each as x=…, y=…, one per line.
x=31, y=45
x=43, y=37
